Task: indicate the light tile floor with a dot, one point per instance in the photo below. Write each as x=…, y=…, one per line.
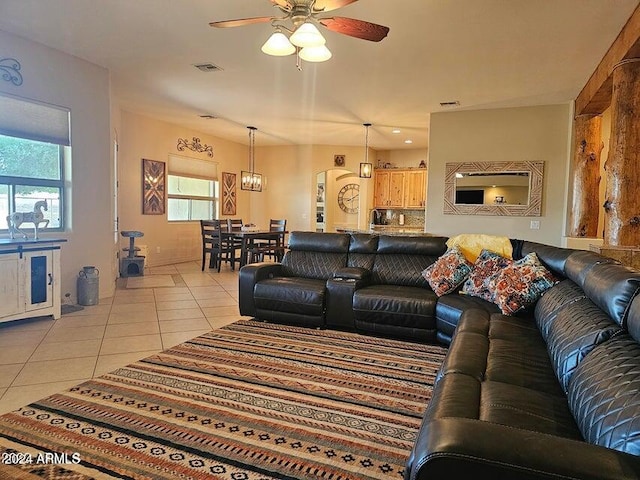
x=41, y=356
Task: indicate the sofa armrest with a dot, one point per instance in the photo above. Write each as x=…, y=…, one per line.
x=353, y=273
x=467, y=448
x=248, y=277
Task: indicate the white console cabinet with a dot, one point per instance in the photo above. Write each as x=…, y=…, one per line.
x=29, y=279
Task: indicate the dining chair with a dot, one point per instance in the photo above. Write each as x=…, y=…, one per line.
x=273, y=248
x=211, y=243
x=234, y=245
x=234, y=224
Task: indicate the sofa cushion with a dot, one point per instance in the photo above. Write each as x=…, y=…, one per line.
x=521, y=407
x=553, y=301
x=633, y=319
x=450, y=308
x=401, y=260
x=304, y=296
x=315, y=265
x=521, y=284
x=580, y=262
x=395, y=305
x=485, y=270
x=577, y=330
x=518, y=355
x=362, y=250
x=315, y=255
x=554, y=258
x=448, y=272
x=612, y=286
x=604, y=395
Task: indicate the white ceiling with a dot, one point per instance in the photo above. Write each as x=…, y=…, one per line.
x=483, y=53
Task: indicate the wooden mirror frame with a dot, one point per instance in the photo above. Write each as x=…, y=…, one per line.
x=532, y=209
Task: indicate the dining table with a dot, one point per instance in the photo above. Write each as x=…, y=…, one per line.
x=248, y=237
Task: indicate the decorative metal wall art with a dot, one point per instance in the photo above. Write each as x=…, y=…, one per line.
x=153, y=187
x=10, y=68
x=228, y=193
x=195, y=145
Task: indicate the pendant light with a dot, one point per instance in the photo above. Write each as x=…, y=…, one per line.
x=251, y=180
x=366, y=168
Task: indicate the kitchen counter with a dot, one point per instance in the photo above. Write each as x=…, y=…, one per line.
x=389, y=230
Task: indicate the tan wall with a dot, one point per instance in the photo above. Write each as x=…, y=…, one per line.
x=406, y=158
x=144, y=137
x=291, y=183
x=53, y=77
x=515, y=134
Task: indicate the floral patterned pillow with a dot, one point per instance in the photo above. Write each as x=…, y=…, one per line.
x=447, y=272
x=521, y=284
x=486, y=268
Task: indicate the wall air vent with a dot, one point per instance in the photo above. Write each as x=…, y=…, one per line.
x=453, y=103
x=207, y=67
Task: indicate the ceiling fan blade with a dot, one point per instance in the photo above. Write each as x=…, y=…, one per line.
x=240, y=22
x=355, y=28
x=284, y=4
x=328, y=5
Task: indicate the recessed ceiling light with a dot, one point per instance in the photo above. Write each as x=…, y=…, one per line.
x=395, y=130
x=408, y=141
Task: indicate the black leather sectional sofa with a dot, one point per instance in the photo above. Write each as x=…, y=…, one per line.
x=553, y=392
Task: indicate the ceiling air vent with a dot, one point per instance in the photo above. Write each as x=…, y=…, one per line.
x=207, y=67
x=454, y=103
x=208, y=116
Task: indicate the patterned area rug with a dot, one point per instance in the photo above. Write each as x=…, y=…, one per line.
x=247, y=401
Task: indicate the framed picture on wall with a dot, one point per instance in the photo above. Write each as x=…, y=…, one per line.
x=228, y=193
x=153, y=187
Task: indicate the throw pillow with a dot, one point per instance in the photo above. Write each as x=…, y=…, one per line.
x=485, y=270
x=521, y=284
x=472, y=244
x=447, y=272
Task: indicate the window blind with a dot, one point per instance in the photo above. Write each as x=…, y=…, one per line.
x=192, y=167
x=33, y=120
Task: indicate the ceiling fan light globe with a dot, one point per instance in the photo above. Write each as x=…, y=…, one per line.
x=315, y=54
x=307, y=35
x=278, y=45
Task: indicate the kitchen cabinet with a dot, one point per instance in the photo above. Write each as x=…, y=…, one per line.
x=400, y=188
x=30, y=283
x=416, y=189
x=389, y=189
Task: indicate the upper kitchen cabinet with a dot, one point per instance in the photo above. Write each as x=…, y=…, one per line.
x=416, y=189
x=389, y=189
x=400, y=188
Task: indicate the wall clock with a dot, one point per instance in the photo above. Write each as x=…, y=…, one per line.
x=348, y=198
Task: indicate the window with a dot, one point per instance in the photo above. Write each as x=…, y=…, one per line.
x=34, y=141
x=192, y=189
x=191, y=198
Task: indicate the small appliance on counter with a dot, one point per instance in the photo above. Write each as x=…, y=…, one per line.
x=378, y=218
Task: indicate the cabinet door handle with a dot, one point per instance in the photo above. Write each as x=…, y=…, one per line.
x=50, y=279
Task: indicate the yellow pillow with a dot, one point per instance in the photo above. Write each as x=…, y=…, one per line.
x=471, y=244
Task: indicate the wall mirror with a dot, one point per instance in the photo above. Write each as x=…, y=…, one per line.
x=493, y=188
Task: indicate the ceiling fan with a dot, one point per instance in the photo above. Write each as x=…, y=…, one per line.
x=305, y=38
